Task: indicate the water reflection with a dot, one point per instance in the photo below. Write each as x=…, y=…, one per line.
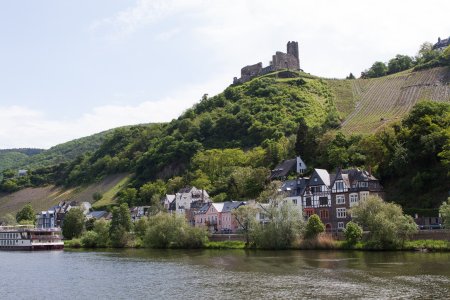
x=225, y=274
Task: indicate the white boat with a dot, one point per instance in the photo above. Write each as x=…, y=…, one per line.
x=27, y=237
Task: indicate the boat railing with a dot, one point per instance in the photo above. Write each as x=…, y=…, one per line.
x=16, y=227
x=28, y=228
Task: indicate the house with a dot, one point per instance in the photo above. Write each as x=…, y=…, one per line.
x=330, y=196
x=167, y=200
x=293, y=190
x=287, y=167
x=183, y=199
x=22, y=173
x=98, y=214
x=63, y=207
x=138, y=212
x=218, y=217
x=348, y=188
x=442, y=44
x=316, y=198
x=46, y=219
x=261, y=213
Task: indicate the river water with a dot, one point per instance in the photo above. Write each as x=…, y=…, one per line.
x=223, y=274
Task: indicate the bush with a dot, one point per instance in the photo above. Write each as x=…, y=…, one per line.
x=353, y=233
x=89, y=239
x=101, y=227
x=314, y=227
x=171, y=231
x=388, y=226
x=283, y=229
x=73, y=223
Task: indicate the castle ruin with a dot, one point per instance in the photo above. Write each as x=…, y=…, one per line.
x=280, y=60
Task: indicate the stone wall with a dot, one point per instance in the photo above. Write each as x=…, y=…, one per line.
x=251, y=70
x=285, y=61
x=280, y=60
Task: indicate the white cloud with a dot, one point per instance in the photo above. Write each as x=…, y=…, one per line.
x=335, y=37
x=143, y=13
x=22, y=127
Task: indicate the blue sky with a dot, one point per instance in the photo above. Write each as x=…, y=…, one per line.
x=73, y=68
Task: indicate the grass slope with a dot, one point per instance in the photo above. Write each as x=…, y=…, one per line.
x=380, y=101
x=43, y=198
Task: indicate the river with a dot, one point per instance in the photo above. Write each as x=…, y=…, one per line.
x=223, y=274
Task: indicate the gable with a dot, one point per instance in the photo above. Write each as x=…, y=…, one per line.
x=320, y=177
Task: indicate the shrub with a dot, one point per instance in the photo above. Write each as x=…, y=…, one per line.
x=388, y=226
x=283, y=229
x=89, y=239
x=171, y=231
x=314, y=227
x=353, y=233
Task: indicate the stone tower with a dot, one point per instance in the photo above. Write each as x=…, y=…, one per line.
x=292, y=49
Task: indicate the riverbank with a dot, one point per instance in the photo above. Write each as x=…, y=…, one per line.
x=318, y=244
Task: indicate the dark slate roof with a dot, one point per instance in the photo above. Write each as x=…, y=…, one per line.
x=98, y=214
x=284, y=168
x=358, y=175
x=230, y=205
x=204, y=208
x=294, y=187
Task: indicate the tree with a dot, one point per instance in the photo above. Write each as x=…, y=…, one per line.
x=245, y=215
x=446, y=56
x=314, y=227
x=378, y=69
x=350, y=76
x=399, y=63
x=353, y=233
x=388, y=226
x=285, y=222
x=8, y=219
x=301, y=143
x=172, y=231
x=27, y=213
x=427, y=53
x=128, y=196
x=444, y=211
x=101, y=227
x=73, y=223
x=150, y=189
x=120, y=226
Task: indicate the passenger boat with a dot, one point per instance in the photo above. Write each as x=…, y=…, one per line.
x=27, y=237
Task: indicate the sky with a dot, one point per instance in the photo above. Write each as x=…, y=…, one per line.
x=70, y=69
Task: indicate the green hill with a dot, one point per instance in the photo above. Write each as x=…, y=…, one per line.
x=227, y=143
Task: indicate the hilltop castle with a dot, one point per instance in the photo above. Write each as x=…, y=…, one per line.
x=289, y=60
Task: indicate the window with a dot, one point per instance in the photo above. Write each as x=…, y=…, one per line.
x=341, y=212
x=323, y=200
x=341, y=225
x=315, y=189
x=339, y=186
x=340, y=199
x=353, y=199
x=364, y=195
x=363, y=184
x=309, y=212
x=324, y=214
x=308, y=202
x=294, y=201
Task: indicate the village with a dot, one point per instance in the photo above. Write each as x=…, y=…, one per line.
x=328, y=195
